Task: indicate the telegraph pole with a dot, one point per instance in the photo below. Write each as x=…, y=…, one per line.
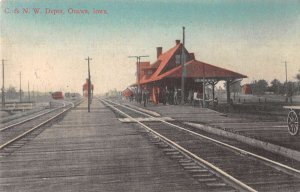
x=20, y=87
x=182, y=64
x=3, y=93
x=138, y=61
x=28, y=92
x=89, y=84
x=203, y=101
x=286, y=85
x=33, y=96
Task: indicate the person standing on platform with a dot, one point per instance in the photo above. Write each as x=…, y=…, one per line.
x=145, y=97
x=167, y=96
x=190, y=96
x=163, y=96
x=175, y=97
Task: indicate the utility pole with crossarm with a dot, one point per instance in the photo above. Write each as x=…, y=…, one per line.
x=89, y=84
x=3, y=93
x=138, y=61
x=183, y=67
x=286, y=83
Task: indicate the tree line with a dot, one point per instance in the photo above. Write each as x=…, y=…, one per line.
x=276, y=87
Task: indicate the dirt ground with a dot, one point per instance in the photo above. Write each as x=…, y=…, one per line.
x=256, y=111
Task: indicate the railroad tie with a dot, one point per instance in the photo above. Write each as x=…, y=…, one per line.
x=196, y=170
x=186, y=161
x=206, y=180
x=170, y=150
x=15, y=146
x=216, y=184
x=188, y=164
x=203, y=174
x=172, y=153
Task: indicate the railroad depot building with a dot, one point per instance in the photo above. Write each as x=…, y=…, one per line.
x=164, y=75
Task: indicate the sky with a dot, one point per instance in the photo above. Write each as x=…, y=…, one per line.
x=251, y=37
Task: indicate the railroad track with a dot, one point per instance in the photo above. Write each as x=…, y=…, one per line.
x=220, y=163
x=16, y=135
x=13, y=125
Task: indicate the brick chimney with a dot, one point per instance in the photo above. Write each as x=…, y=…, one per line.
x=192, y=56
x=158, y=51
x=177, y=41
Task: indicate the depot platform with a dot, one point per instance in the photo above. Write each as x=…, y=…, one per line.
x=272, y=136
x=92, y=152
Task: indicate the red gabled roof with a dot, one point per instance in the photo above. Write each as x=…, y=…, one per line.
x=164, y=59
x=198, y=69
x=160, y=64
x=194, y=69
x=155, y=64
x=127, y=92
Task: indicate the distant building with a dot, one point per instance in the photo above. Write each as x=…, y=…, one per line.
x=166, y=72
x=246, y=89
x=85, y=88
x=57, y=95
x=127, y=93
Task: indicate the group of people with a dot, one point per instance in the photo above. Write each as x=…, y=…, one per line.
x=141, y=97
x=162, y=96
x=172, y=97
x=145, y=97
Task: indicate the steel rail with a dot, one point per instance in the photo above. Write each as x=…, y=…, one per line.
x=285, y=168
x=26, y=120
x=35, y=127
x=235, y=182
x=34, y=117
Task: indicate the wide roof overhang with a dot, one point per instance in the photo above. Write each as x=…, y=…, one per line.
x=197, y=70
